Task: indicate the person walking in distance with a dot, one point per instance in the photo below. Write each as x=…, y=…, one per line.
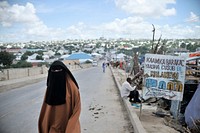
x=104, y=67
x=61, y=107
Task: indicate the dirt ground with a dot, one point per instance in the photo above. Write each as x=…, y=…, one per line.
x=151, y=122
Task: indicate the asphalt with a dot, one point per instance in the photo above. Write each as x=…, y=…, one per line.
x=118, y=76
x=20, y=82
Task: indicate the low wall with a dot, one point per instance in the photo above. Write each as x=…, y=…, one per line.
x=14, y=73
x=75, y=67
x=8, y=74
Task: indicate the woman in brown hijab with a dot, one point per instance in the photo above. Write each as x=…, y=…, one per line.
x=62, y=105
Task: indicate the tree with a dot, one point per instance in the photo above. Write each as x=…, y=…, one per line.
x=6, y=58
x=183, y=45
x=22, y=64
x=98, y=45
x=193, y=47
x=40, y=52
x=39, y=57
x=105, y=48
x=143, y=49
x=87, y=51
x=25, y=55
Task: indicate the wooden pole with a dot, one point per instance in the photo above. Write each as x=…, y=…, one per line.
x=154, y=30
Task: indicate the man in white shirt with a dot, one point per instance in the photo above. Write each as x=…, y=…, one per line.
x=127, y=91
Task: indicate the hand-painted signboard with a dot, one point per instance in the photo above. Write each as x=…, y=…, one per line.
x=164, y=76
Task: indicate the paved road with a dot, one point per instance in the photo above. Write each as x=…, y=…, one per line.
x=102, y=110
x=19, y=109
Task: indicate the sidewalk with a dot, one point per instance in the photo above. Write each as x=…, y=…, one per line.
x=142, y=119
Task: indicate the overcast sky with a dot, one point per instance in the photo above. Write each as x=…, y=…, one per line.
x=37, y=20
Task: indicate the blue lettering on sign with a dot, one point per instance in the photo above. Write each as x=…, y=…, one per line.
x=162, y=85
x=179, y=68
x=151, y=83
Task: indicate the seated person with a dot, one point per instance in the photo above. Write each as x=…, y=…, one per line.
x=127, y=91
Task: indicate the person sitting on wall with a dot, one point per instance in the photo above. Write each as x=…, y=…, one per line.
x=127, y=91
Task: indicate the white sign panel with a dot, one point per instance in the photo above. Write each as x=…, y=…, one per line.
x=164, y=76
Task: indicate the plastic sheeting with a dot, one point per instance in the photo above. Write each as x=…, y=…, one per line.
x=192, y=112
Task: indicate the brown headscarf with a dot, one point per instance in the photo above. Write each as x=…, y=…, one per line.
x=62, y=105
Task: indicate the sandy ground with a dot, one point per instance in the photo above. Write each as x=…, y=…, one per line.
x=151, y=122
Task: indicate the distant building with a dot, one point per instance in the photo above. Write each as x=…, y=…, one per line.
x=32, y=57
x=179, y=51
x=13, y=50
x=80, y=56
x=50, y=53
x=71, y=62
x=35, y=62
x=198, y=49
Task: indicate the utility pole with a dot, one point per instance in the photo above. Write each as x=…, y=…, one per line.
x=153, y=37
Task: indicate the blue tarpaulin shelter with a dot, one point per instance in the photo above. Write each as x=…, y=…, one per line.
x=78, y=56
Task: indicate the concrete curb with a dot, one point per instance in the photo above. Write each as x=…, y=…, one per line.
x=136, y=123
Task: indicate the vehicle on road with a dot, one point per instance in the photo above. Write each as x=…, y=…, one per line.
x=94, y=63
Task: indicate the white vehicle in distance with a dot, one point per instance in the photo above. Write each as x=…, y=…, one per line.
x=94, y=63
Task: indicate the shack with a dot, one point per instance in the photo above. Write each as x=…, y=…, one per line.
x=192, y=79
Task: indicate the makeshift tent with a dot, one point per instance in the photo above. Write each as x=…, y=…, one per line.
x=77, y=56
x=194, y=54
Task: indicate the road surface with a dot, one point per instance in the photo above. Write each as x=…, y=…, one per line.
x=102, y=109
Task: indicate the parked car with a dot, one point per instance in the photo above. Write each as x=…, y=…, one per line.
x=94, y=63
